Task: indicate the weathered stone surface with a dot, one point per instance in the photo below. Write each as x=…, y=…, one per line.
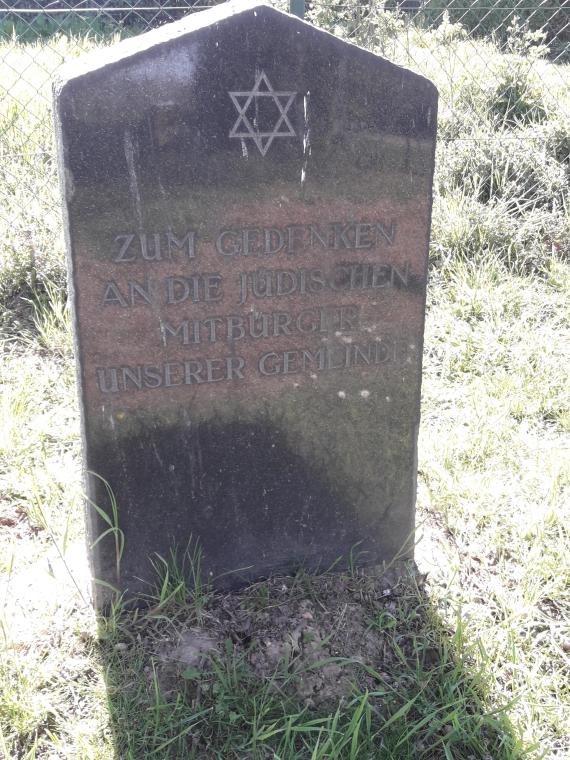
x=247, y=205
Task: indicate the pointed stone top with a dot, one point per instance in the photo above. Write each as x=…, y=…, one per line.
x=190, y=25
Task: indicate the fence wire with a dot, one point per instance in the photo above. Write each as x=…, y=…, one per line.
x=502, y=69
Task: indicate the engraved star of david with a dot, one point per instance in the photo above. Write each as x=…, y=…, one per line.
x=247, y=126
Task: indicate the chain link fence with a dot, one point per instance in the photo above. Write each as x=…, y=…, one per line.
x=502, y=68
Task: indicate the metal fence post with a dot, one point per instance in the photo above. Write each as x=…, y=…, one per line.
x=297, y=8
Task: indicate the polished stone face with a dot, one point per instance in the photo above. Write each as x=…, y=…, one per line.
x=248, y=209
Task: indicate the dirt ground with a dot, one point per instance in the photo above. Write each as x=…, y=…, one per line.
x=314, y=636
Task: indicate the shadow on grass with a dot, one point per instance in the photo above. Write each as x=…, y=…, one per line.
x=317, y=667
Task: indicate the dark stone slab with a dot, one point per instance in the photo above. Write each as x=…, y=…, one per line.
x=247, y=205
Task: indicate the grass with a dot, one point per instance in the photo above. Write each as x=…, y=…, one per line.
x=255, y=696
x=472, y=663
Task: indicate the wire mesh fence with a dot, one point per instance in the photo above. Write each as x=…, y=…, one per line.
x=502, y=68
x=516, y=47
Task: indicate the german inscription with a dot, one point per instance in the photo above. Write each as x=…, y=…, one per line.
x=253, y=290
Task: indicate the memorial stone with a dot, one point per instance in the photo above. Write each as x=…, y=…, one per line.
x=247, y=206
